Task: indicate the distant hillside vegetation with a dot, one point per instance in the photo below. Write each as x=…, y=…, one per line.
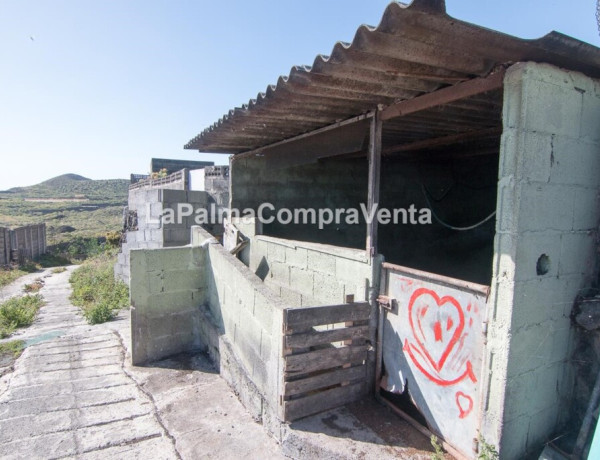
x=74, y=186
x=71, y=205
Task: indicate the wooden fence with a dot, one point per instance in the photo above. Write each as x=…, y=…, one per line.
x=21, y=244
x=325, y=354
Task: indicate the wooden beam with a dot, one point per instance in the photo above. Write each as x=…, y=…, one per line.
x=374, y=178
x=443, y=140
x=445, y=96
x=261, y=150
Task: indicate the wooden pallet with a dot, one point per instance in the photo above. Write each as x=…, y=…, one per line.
x=325, y=353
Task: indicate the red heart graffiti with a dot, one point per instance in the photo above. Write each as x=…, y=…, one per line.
x=464, y=403
x=420, y=322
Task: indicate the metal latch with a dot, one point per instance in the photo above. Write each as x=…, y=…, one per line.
x=386, y=302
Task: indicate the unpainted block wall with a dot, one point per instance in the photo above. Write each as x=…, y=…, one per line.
x=249, y=318
x=547, y=206
x=152, y=233
x=168, y=290
x=310, y=274
x=327, y=184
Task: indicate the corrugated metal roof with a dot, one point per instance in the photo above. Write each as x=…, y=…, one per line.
x=415, y=49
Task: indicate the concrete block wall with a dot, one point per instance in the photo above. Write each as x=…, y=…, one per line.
x=168, y=291
x=152, y=232
x=249, y=318
x=310, y=274
x=329, y=184
x=545, y=251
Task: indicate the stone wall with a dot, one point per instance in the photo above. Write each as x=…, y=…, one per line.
x=545, y=251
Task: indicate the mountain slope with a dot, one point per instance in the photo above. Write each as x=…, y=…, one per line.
x=74, y=186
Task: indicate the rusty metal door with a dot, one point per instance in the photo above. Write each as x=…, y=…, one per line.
x=433, y=348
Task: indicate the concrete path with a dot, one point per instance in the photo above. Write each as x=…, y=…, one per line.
x=73, y=394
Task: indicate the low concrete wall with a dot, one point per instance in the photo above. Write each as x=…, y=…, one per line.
x=249, y=316
x=310, y=274
x=545, y=251
x=168, y=290
x=203, y=298
x=152, y=232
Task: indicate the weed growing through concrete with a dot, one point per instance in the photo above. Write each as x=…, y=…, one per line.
x=487, y=451
x=18, y=312
x=439, y=451
x=35, y=286
x=96, y=291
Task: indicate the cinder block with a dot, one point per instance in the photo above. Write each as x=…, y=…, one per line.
x=263, y=312
x=551, y=108
x=275, y=252
x=514, y=438
x=327, y=290
x=297, y=257
x=586, y=209
x=545, y=207
x=578, y=253
x=351, y=270
x=291, y=297
x=168, y=302
x=179, y=280
x=541, y=428
x=321, y=262
x=532, y=347
x=540, y=300
x=546, y=394
x=520, y=390
x=532, y=246
x=575, y=162
x=302, y=280
x=280, y=273
x=590, y=118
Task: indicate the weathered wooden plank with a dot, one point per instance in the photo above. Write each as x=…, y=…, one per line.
x=316, y=316
x=325, y=400
x=327, y=379
x=445, y=96
x=312, y=338
x=327, y=358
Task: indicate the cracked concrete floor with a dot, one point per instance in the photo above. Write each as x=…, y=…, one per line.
x=72, y=394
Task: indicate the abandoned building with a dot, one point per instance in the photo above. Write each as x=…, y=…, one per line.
x=197, y=183
x=466, y=319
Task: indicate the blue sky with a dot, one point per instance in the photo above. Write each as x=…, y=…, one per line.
x=99, y=87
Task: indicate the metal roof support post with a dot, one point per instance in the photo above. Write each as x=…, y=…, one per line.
x=374, y=177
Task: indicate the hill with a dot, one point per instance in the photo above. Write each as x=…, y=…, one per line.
x=71, y=206
x=73, y=186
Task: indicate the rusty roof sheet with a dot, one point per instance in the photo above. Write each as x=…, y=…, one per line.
x=415, y=49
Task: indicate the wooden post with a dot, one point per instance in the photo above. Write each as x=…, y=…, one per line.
x=374, y=177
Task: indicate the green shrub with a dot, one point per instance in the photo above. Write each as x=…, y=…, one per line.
x=18, y=312
x=96, y=291
x=59, y=270
x=14, y=348
x=8, y=275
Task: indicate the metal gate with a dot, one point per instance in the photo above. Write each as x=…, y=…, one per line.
x=433, y=348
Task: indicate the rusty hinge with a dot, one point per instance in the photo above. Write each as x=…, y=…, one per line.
x=386, y=302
